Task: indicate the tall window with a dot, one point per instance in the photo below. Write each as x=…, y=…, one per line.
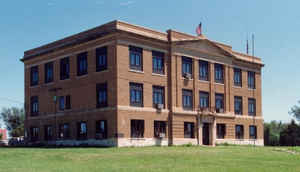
x=34, y=105
x=252, y=132
x=48, y=132
x=204, y=99
x=49, y=72
x=203, y=70
x=187, y=66
x=101, y=129
x=101, y=59
x=221, y=131
x=189, y=130
x=64, y=68
x=136, y=58
x=64, y=131
x=219, y=73
x=61, y=103
x=251, y=107
x=251, y=80
x=160, y=129
x=158, y=95
x=237, y=77
x=34, y=75
x=239, y=132
x=219, y=103
x=136, y=94
x=101, y=90
x=187, y=99
x=158, y=62
x=137, y=128
x=34, y=133
x=68, y=102
x=238, y=105
x=82, y=64
x=81, y=130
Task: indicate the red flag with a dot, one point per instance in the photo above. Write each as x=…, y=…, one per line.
x=199, y=29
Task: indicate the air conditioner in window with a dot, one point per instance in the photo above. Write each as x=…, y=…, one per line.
x=159, y=106
x=162, y=135
x=187, y=75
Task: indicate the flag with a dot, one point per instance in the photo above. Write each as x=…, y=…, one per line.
x=199, y=29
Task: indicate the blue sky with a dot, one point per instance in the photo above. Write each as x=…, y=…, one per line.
x=28, y=24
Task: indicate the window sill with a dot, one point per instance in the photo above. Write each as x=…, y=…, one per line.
x=81, y=76
x=205, y=81
x=35, y=86
x=136, y=71
x=157, y=74
x=235, y=86
x=49, y=83
x=102, y=71
x=189, y=79
x=251, y=89
x=217, y=83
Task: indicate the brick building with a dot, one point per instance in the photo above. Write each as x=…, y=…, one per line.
x=121, y=85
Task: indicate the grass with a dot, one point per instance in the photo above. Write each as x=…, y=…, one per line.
x=158, y=159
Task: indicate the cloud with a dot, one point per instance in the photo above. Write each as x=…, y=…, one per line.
x=127, y=3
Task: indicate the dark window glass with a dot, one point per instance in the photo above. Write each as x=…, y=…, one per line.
x=251, y=80
x=34, y=75
x=237, y=77
x=136, y=94
x=189, y=130
x=252, y=132
x=157, y=62
x=68, y=102
x=64, y=68
x=64, y=131
x=251, y=107
x=203, y=70
x=219, y=73
x=49, y=72
x=48, y=132
x=158, y=95
x=136, y=58
x=101, y=95
x=101, y=59
x=82, y=64
x=34, y=103
x=101, y=129
x=137, y=128
x=221, y=131
x=187, y=99
x=81, y=131
x=160, y=129
x=219, y=103
x=34, y=133
x=238, y=105
x=204, y=99
x=61, y=103
x=187, y=66
x=239, y=132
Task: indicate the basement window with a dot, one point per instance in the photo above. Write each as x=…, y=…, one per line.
x=252, y=132
x=160, y=129
x=137, y=128
x=189, y=130
x=239, y=132
x=221, y=131
x=81, y=131
x=101, y=129
x=64, y=131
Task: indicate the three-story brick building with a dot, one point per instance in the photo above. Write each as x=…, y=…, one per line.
x=122, y=85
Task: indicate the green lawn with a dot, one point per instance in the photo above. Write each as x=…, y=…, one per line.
x=158, y=159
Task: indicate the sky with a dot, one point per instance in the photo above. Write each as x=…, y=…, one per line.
x=275, y=24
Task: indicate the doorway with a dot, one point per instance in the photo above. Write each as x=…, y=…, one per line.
x=205, y=134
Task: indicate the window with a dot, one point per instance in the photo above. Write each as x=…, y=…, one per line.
x=136, y=58
x=203, y=70
x=68, y=102
x=157, y=62
x=34, y=103
x=251, y=80
x=219, y=103
x=64, y=102
x=64, y=131
x=136, y=94
x=187, y=66
x=238, y=105
x=101, y=129
x=82, y=64
x=137, y=128
x=34, y=132
x=61, y=103
x=158, y=95
x=49, y=72
x=204, y=99
x=187, y=99
x=219, y=73
x=189, y=130
x=252, y=132
x=64, y=68
x=251, y=107
x=221, y=131
x=101, y=59
x=48, y=132
x=239, y=132
x=237, y=77
x=34, y=76
x=160, y=129
x=81, y=130
x=101, y=95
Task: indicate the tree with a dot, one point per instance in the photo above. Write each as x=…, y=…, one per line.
x=13, y=119
x=290, y=136
x=295, y=112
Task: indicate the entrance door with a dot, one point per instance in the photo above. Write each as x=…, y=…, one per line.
x=205, y=134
